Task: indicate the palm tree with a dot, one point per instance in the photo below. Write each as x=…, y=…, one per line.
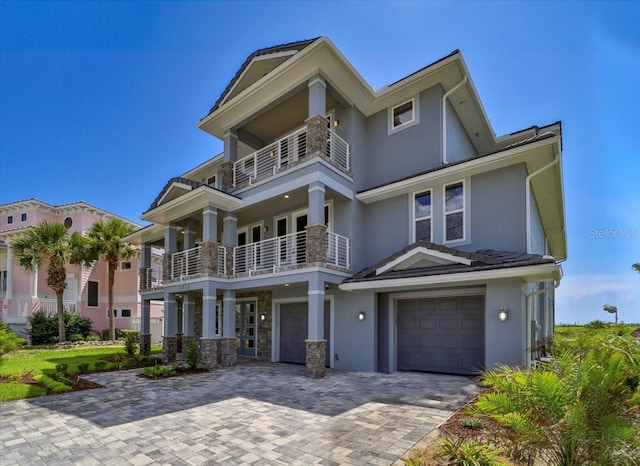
x=636, y=266
x=106, y=240
x=50, y=242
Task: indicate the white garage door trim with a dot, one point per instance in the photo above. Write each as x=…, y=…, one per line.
x=393, y=314
x=275, y=325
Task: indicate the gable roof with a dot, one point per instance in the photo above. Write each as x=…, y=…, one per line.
x=453, y=261
x=276, y=49
x=183, y=184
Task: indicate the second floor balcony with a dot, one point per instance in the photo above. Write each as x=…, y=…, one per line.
x=311, y=140
x=269, y=256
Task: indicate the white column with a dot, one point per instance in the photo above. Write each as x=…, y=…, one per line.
x=229, y=314
x=316, y=203
x=34, y=282
x=209, y=224
x=209, y=310
x=317, y=96
x=316, y=309
x=9, y=294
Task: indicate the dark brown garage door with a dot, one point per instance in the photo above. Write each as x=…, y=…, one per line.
x=293, y=331
x=441, y=334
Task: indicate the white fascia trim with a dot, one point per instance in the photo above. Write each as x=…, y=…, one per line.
x=175, y=184
x=430, y=254
x=225, y=201
x=480, y=164
x=553, y=270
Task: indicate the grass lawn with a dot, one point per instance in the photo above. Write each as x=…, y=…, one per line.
x=37, y=361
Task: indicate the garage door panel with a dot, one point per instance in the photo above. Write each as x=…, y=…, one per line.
x=294, y=326
x=448, y=337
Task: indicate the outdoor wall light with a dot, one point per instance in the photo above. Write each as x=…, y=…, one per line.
x=336, y=123
x=361, y=315
x=503, y=314
x=263, y=317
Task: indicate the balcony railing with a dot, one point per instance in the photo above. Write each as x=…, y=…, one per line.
x=23, y=308
x=152, y=278
x=271, y=254
x=222, y=260
x=185, y=263
x=285, y=151
x=338, y=250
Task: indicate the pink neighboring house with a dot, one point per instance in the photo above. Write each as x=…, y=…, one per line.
x=21, y=292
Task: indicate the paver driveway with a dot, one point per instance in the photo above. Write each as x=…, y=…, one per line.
x=260, y=413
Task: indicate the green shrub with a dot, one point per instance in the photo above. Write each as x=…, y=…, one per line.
x=472, y=423
x=83, y=367
x=597, y=324
x=458, y=452
x=147, y=361
x=9, y=341
x=93, y=338
x=44, y=327
x=193, y=353
x=580, y=408
x=53, y=385
x=100, y=365
x=157, y=372
x=131, y=341
x=63, y=368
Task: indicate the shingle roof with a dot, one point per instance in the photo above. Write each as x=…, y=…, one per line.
x=484, y=259
x=276, y=48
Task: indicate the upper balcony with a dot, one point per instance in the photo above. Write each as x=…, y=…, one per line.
x=270, y=256
x=289, y=151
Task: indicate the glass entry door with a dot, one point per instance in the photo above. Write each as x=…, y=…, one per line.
x=246, y=327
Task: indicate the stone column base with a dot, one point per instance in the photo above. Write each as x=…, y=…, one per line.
x=145, y=344
x=209, y=348
x=316, y=357
x=179, y=340
x=228, y=355
x=169, y=347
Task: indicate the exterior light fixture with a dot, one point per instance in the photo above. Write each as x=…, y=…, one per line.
x=286, y=196
x=361, y=315
x=336, y=123
x=263, y=317
x=503, y=314
x=286, y=284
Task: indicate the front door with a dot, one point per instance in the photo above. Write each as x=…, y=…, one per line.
x=246, y=327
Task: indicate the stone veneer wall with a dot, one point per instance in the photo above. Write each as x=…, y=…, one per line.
x=316, y=357
x=209, y=257
x=317, y=244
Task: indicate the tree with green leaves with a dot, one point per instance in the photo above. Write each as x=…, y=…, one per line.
x=106, y=241
x=636, y=266
x=51, y=243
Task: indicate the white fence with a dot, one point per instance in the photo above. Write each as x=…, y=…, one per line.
x=271, y=253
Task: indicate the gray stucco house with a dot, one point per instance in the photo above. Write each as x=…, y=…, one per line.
x=358, y=229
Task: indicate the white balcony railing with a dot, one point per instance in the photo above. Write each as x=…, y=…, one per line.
x=20, y=308
x=50, y=306
x=222, y=260
x=152, y=278
x=270, y=254
x=185, y=263
x=338, y=250
x=285, y=151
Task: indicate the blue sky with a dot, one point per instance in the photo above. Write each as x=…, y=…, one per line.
x=99, y=101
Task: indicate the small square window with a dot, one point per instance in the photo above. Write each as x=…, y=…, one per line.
x=10, y=219
x=125, y=313
x=211, y=181
x=125, y=265
x=23, y=217
x=404, y=115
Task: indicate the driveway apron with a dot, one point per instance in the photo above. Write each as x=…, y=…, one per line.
x=257, y=413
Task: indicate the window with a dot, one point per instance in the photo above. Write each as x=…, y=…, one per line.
x=211, y=181
x=454, y=211
x=3, y=281
x=125, y=313
x=125, y=265
x=23, y=217
x=68, y=222
x=404, y=115
x=422, y=215
x=10, y=219
x=92, y=294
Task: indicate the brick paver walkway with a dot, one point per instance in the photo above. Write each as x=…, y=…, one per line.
x=261, y=413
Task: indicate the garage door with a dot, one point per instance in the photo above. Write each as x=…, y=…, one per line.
x=441, y=334
x=293, y=332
